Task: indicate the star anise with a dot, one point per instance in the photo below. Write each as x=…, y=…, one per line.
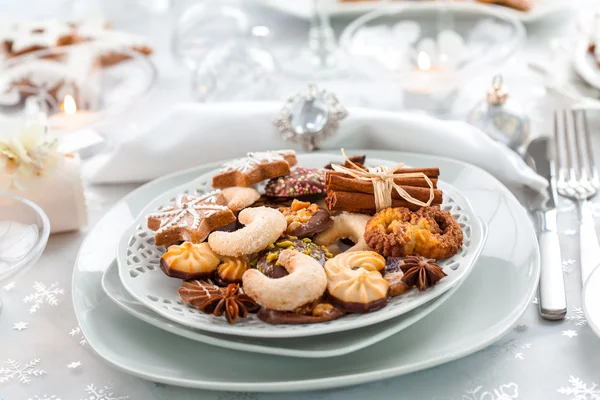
x=211, y=299
x=421, y=272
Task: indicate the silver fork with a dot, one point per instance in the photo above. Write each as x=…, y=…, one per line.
x=577, y=179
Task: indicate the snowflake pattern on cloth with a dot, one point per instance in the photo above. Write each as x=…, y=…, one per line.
x=43, y=295
x=507, y=391
x=44, y=397
x=103, y=393
x=23, y=374
x=77, y=331
x=579, y=390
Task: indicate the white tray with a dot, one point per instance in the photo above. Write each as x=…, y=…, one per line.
x=139, y=270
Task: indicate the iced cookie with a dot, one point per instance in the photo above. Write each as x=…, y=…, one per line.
x=190, y=219
x=254, y=168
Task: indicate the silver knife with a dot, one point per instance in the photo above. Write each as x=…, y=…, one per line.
x=552, y=297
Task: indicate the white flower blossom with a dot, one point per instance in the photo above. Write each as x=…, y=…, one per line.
x=26, y=152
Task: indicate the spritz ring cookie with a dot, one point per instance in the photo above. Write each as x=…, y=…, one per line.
x=305, y=283
x=263, y=226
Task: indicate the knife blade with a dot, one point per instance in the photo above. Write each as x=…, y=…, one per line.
x=552, y=297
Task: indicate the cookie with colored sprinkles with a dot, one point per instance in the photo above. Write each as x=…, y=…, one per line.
x=299, y=182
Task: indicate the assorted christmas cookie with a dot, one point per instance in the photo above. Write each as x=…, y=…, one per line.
x=295, y=262
x=305, y=219
x=189, y=261
x=314, y=312
x=306, y=281
x=254, y=168
x=190, y=219
x=267, y=261
x=299, y=182
x=430, y=232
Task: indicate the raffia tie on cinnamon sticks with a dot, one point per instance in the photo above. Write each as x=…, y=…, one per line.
x=382, y=179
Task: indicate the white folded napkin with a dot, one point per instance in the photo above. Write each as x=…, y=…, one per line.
x=194, y=134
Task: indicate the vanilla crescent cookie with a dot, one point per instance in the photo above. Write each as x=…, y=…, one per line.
x=305, y=283
x=239, y=197
x=346, y=225
x=264, y=225
x=356, y=289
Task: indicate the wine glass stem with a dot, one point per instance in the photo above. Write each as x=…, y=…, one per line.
x=321, y=38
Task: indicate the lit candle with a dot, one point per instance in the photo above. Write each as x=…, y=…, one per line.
x=427, y=86
x=70, y=117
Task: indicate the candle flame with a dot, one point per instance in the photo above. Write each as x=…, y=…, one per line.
x=69, y=106
x=423, y=61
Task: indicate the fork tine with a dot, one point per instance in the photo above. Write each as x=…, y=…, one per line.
x=582, y=161
x=593, y=169
x=567, y=127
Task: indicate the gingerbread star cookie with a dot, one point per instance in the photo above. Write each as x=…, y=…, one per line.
x=191, y=219
x=254, y=168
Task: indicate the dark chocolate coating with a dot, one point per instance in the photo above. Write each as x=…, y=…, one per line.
x=186, y=276
x=299, y=182
x=359, y=308
x=287, y=317
x=270, y=269
x=317, y=223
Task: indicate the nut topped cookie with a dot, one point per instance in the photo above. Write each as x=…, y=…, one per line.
x=254, y=168
x=190, y=219
x=305, y=219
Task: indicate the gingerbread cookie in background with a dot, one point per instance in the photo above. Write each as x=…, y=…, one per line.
x=254, y=168
x=190, y=219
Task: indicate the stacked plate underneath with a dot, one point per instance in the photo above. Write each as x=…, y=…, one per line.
x=132, y=316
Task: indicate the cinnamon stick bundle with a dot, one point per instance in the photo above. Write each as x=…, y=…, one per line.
x=339, y=181
x=364, y=203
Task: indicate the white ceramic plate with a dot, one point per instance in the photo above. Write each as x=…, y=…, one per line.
x=138, y=259
x=585, y=64
x=591, y=300
x=485, y=307
x=331, y=345
x=303, y=8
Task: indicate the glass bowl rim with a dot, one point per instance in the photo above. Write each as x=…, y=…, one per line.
x=481, y=10
x=42, y=240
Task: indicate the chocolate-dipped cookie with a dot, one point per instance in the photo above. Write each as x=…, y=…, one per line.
x=312, y=313
x=299, y=182
x=189, y=261
x=266, y=260
x=305, y=219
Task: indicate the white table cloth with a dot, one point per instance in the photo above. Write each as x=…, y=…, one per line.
x=43, y=355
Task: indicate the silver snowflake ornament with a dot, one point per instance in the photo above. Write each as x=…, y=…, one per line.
x=309, y=117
